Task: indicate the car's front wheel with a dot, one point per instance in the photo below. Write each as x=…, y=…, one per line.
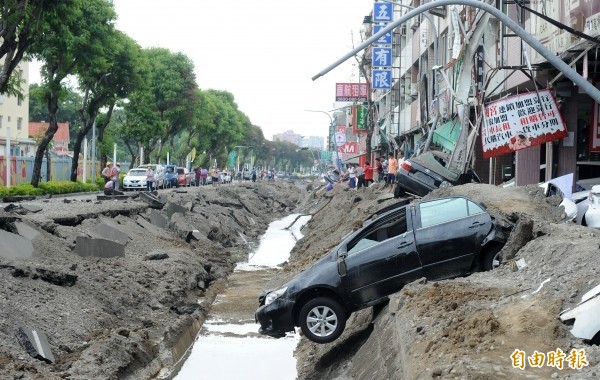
x=322, y=320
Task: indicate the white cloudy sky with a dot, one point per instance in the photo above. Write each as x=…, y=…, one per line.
x=263, y=52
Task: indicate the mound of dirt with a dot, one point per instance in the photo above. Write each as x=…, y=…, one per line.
x=466, y=327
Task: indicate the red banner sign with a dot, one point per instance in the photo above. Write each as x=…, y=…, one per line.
x=521, y=121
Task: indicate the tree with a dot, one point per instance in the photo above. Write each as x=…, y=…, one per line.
x=20, y=20
x=70, y=36
x=68, y=108
x=114, y=76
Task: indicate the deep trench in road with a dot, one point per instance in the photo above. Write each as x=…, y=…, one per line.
x=229, y=346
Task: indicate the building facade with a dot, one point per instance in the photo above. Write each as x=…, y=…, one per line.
x=14, y=116
x=434, y=79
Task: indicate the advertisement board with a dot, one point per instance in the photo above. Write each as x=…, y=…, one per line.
x=520, y=121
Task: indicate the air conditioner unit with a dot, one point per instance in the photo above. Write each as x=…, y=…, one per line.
x=414, y=89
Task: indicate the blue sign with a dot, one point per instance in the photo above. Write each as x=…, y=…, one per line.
x=386, y=39
x=382, y=57
x=383, y=12
x=381, y=79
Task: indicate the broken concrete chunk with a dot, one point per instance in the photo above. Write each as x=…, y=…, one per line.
x=14, y=246
x=26, y=230
x=35, y=343
x=158, y=219
x=90, y=247
x=172, y=208
x=156, y=256
x=109, y=230
x=31, y=208
x=153, y=200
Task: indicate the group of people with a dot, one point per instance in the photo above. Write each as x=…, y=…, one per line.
x=110, y=174
x=363, y=176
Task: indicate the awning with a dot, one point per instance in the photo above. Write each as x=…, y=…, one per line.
x=447, y=134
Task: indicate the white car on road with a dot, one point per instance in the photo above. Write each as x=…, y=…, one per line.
x=135, y=179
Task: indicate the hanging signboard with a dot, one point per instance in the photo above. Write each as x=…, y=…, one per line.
x=351, y=92
x=521, y=121
x=359, y=119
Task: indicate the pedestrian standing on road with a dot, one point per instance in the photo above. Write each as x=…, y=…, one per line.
x=384, y=165
x=204, y=176
x=392, y=169
x=351, y=176
x=254, y=174
x=115, y=176
x=360, y=176
x=368, y=174
x=149, y=179
x=106, y=172
x=214, y=176
x=379, y=169
x=197, y=176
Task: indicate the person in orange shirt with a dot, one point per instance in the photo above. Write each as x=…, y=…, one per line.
x=392, y=169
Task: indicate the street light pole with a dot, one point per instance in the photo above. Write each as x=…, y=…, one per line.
x=93, y=168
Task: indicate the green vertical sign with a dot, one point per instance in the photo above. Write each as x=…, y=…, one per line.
x=361, y=118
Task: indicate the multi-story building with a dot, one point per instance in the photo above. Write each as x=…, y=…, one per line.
x=14, y=116
x=428, y=56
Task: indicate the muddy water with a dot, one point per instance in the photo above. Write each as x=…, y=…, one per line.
x=229, y=346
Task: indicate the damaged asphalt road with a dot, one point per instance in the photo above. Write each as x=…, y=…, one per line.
x=114, y=284
x=133, y=315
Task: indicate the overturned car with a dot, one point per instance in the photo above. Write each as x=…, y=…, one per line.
x=436, y=239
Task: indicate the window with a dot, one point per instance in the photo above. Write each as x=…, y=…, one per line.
x=442, y=211
x=381, y=232
x=19, y=124
x=1, y=121
x=19, y=100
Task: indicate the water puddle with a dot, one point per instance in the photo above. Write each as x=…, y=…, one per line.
x=229, y=345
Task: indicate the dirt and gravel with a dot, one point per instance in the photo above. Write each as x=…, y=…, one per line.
x=132, y=317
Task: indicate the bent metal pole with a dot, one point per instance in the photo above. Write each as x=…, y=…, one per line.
x=592, y=91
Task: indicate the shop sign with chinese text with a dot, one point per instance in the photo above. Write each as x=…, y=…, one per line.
x=521, y=121
x=351, y=92
x=359, y=119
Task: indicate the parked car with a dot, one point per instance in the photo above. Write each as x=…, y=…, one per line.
x=135, y=179
x=184, y=177
x=170, y=176
x=421, y=174
x=583, y=318
x=588, y=207
x=159, y=174
x=247, y=175
x=436, y=239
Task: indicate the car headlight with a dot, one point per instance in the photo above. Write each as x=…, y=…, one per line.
x=274, y=295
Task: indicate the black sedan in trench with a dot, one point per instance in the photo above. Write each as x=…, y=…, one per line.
x=436, y=239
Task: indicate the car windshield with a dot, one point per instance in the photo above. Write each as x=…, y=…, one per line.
x=180, y=171
x=137, y=172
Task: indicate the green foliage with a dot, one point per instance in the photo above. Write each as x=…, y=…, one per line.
x=51, y=187
x=20, y=189
x=66, y=187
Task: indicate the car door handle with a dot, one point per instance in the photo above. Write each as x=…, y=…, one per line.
x=404, y=244
x=476, y=224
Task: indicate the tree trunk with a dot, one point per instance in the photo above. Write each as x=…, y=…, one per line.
x=77, y=150
x=45, y=141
